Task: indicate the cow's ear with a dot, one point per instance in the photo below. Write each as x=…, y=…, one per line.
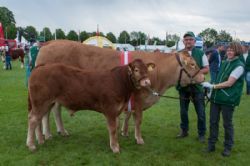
x=151, y=66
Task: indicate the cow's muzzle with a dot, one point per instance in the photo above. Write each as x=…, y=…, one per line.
x=145, y=82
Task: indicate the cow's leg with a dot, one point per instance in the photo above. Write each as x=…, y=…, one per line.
x=112, y=127
x=126, y=123
x=22, y=65
x=46, y=127
x=138, y=119
x=33, y=121
x=39, y=134
x=58, y=119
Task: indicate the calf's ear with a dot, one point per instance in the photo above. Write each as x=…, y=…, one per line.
x=151, y=66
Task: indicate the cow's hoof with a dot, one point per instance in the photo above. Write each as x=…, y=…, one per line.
x=124, y=134
x=63, y=133
x=41, y=141
x=48, y=137
x=140, y=141
x=116, y=150
x=32, y=148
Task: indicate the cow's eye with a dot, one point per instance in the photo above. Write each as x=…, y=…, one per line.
x=136, y=70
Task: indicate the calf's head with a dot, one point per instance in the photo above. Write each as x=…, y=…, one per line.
x=138, y=72
x=190, y=72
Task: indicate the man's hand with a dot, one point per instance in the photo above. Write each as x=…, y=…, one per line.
x=207, y=85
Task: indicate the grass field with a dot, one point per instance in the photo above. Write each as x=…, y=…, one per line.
x=88, y=143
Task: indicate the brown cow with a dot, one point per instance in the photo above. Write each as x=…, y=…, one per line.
x=83, y=56
x=106, y=92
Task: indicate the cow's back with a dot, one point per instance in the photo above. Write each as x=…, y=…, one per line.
x=78, y=55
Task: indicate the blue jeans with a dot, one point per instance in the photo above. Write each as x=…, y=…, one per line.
x=199, y=104
x=213, y=75
x=227, y=114
x=248, y=82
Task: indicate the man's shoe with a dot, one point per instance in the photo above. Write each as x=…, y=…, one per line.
x=226, y=153
x=210, y=148
x=201, y=139
x=182, y=134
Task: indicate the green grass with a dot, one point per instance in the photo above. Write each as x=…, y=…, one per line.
x=88, y=143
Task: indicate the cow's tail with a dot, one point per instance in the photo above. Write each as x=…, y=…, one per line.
x=29, y=103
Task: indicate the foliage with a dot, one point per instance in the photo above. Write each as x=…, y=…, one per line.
x=59, y=34
x=124, y=37
x=223, y=36
x=72, y=35
x=30, y=33
x=83, y=36
x=209, y=36
x=170, y=43
x=6, y=17
x=11, y=31
x=97, y=33
x=111, y=37
x=48, y=34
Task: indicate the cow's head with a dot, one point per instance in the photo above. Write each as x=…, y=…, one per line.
x=138, y=72
x=190, y=72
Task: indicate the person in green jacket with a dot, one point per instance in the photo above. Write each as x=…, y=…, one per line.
x=33, y=54
x=226, y=94
x=245, y=58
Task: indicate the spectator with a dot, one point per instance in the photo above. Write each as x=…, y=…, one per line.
x=245, y=58
x=7, y=57
x=214, y=60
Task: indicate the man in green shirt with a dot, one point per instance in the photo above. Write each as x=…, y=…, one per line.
x=194, y=91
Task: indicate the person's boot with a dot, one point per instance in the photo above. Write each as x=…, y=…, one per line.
x=210, y=148
x=226, y=152
x=201, y=138
x=182, y=134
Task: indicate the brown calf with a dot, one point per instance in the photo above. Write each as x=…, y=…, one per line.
x=106, y=92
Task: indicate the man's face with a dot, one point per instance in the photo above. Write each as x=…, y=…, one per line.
x=189, y=42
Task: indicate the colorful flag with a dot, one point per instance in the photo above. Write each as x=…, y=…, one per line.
x=1, y=31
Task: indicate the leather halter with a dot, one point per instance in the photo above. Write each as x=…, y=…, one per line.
x=184, y=70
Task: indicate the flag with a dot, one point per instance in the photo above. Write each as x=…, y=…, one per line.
x=1, y=31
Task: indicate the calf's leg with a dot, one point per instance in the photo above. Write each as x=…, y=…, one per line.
x=33, y=122
x=58, y=119
x=138, y=119
x=39, y=133
x=46, y=127
x=126, y=124
x=112, y=128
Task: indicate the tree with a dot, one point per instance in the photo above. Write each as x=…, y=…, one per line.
x=124, y=37
x=95, y=34
x=48, y=35
x=30, y=33
x=10, y=31
x=21, y=32
x=111, y=37
x=83, y=36
x=209, y=36
x=59, y=34
x=223, y=36
x=134, y=38
x=72, y=35
x=142, y=38
x=6, y=17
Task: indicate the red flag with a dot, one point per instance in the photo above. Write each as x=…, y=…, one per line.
x=1, y=31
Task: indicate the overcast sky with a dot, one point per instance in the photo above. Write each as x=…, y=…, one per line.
x=154, y=17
